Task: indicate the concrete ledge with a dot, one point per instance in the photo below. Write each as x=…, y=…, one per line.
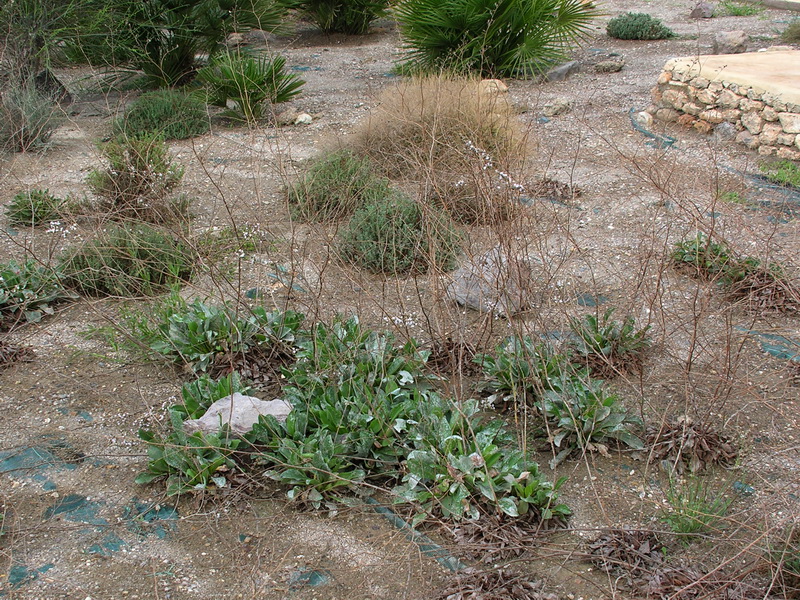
x=781, y=4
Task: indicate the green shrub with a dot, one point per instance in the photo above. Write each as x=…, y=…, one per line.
x=128, y=261
x=34, y=207
x=694, y=509
x=638, y=26
x=608, y=347
x=168, y=114
x=584, y=415
x=138, y=181
x=782, y=172
x=251, y=83
x=507, y=38
x=27, y=292
x=344, y=16
x=791, y=35
x=27, y=118
x=394, y=235
x=201, y=335
x=334, y=185
x=521, y=370
x=190, y=462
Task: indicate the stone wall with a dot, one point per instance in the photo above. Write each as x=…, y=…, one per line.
x=759, y=120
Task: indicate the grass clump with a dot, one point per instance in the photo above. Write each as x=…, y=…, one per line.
x=783, y=172
x=251, y=84
x=138, y=181
x=334, y=185
x=507, y=38
x=440, y=124
x=28, y=291
x=608, y=347
x=34, y=207
x=28, y=118
x=169, y=114
x=740, y=9
x=694, y=509
x=128, y=261
x=638, y=26
x=394, y=235
x=784, y=559
x=351, y=17
x=791, y=35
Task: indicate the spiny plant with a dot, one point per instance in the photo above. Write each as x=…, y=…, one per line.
x=638, y=26
x=251, y=83
x=608, y=347
x=394, y=235
x=506, y=38
x=28, y=291
x=351, y=17
x=168, y=114
x=127, y=261
x=139, y=180
x=333, y=185
x=34, y=207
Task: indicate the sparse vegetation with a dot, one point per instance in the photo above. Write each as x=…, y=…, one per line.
x=694, y=508
x=740, y=9
x=168, y=114
x=638, y=26
x=34, y=207
x=782, y=172
x=139, y=180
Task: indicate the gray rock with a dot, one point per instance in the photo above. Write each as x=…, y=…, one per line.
x=724, y=132
x=609, y=66
x=558, y=106
x=493, y=282
x=730, y=42
x=561, y=72
x=303, y=119
x=703, y=10
x=239, y=411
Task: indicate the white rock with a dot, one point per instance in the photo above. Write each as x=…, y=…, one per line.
x=239, y=411
x=303, y=119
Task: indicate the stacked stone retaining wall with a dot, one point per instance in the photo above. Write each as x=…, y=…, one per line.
x=756, y=118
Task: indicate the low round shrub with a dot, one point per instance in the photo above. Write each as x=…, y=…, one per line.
x=334, y=185
x=27, y=118
x=168, y=113
x=344, y=16
x=791, y=35
x=34, y=207
x=638, y=26
x=394, y=235
x=128, y=261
